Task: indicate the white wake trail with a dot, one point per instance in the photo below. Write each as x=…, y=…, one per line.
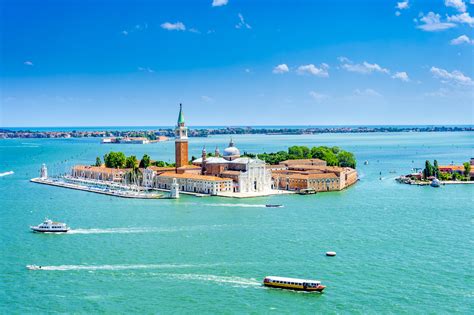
x=119, y=267
x=235, y=205
x=143, y=230
x=218, y=279
x=7, y=173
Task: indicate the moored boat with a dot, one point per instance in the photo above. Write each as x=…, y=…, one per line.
x=435, y=182
x=49, y=226
x=293, y=284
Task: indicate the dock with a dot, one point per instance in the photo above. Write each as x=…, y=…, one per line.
x=115, y=193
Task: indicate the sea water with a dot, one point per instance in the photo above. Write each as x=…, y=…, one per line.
x=400, y=248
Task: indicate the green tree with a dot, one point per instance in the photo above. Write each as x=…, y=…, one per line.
x=428, y=171
x=435, y=169
x=467, y=169
x=346, y=159
x=145, y=161
x=98, y=162
x=115, y=159
x=445, y=176
x=296, y=152
x=131, y=162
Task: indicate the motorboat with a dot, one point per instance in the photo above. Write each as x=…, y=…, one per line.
x=273, y=206
x=49, y=226
x=293, y=284
x=435, y=182
x=331, y=254
x=33, y=267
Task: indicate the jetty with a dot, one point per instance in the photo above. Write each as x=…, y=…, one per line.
x=60, y=182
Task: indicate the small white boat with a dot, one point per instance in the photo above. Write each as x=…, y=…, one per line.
x=49, y=226
x=330, y=254
x=33, y=267
x=435, y=182
x=366, y=162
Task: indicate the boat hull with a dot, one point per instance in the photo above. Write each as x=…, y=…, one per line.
x=319, y=288
x=48, y=231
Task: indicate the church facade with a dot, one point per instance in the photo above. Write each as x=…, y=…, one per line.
x=248, y=175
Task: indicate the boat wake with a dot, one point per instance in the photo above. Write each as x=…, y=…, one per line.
x=233, y=205
x=217, y=279
x=117, y=267
x=143, y=230
x=6, y=173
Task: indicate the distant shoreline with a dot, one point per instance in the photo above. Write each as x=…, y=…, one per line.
x=153, y=132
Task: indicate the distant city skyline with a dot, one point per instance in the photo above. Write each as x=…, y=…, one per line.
x=236, y=63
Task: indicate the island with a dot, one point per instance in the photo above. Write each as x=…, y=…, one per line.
x=435, y=175
x=300, y=169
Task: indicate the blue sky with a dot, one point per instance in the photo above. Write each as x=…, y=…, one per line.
x=321, y=62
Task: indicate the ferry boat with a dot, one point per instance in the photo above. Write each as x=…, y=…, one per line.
x=48, y=226
x=293, y=284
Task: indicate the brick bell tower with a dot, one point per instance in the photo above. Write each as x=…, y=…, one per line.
x=181, y=140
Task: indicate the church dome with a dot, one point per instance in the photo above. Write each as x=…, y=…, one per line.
x=231, y=150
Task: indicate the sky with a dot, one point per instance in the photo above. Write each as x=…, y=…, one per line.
x=231, y=62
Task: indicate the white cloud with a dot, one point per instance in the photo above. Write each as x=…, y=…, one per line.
x=28, y=63
x=462, y=18
x=193, y=30
x=283, y=68
x=207, y=99
x=178, y=26
x=149, y=70
x=219, y=3
x=344, y=59
x=432, y=23
x=457, y=4
x=442, y=92
x=398, y=13
x=367, y=92
x=313, y=70
x=125, y=33
x=242, y=23
x=454, y=77
x=463, y=39
x=247, y=70
x=402, y=5
x=401, y=76
x=318, y=97
x=364, y=68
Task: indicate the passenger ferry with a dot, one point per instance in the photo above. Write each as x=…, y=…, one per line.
x=48, y=226
x=293, y=284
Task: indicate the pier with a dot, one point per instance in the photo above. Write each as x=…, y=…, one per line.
x=103, y=191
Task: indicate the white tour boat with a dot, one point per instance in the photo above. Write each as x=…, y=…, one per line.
x=49, y=226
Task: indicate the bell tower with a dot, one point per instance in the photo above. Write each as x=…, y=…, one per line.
x=181, y=140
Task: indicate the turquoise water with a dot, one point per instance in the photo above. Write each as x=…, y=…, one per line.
x=401, y=249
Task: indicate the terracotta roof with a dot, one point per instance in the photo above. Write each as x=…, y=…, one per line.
x=303, y=161
x=452, y=167
x=161, y=168
x=194, y=167
x=193, y=176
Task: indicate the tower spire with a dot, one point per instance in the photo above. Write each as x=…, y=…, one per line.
x=180, y=116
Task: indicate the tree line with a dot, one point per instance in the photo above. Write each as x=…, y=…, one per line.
x=334, y=156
